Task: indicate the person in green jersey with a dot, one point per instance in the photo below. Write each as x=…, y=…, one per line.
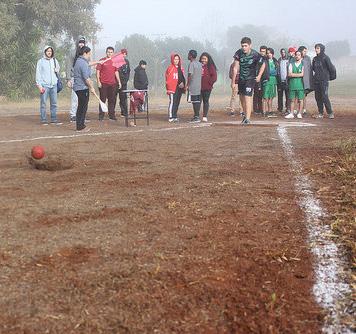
x=246, y=61
x=296, y=85
x=270, y=87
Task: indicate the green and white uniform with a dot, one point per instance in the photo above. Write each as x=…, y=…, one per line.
x=269, y=87
x=296, y=86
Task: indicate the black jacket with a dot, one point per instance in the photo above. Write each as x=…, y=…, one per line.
x=140, y=78
x=124, y=73
x=323, y=68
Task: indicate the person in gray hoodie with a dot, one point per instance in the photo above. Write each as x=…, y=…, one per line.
x=282, y=80
x=46, y=81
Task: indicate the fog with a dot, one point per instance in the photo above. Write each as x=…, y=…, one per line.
x=307, y=20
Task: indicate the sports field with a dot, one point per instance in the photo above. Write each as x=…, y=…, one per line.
x=208, y=228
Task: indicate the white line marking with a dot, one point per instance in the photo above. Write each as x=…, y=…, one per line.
x=329, y=287
x=108, y=133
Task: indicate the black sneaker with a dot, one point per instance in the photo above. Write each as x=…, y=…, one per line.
x=73, y=119
x=56, y=122
x=113, y=118
x=246, y=121
x=195, y=120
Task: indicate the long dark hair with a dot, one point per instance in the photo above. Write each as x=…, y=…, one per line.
x=80, y=52
x=210, y=60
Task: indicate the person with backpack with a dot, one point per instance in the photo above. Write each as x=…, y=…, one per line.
x=269, y=87
x=324, y=71
x=209, y=77
x=175, y=85
x=47, y=70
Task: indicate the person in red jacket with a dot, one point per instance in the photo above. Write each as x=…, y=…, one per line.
x=209, y=77
x=175, y=83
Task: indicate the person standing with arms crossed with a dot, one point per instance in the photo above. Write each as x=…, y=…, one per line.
x=246, y=61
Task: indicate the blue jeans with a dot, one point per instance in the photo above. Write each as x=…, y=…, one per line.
x=52, y=94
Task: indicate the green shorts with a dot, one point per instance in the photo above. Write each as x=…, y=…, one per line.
x=297, y=94
x=269, y=91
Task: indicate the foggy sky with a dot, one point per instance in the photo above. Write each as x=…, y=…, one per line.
x=308, y=20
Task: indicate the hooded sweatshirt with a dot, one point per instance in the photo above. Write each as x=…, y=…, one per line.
x=140, y=78
x=46, y=70
x=209, y=77
x=322, y=66
x=283, y=67
x=174, y=75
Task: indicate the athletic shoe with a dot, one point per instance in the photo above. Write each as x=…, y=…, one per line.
x=122, y=115
x=87, y=120
x=320, y=116
x=132, y=124
x=112, y=118
x=246, y=121
x=194, y=120
x=175, y=120
x=304, y=112
x=331, y=116
x=242, y=114
x=73, y=119
x=205, y=119
x=44, y=123
x=295, y=112
x=171, y=120
x=56, y=122
x=84, y=130
x=289, y=116
x=299, y=116
x=271, y=115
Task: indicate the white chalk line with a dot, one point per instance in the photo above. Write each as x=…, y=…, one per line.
x=329, y=287
x=107, y=133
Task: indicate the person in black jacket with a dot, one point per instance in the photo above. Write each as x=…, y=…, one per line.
x=257, y=96
x=324, y=71
x=140, y=78
x=124, y=73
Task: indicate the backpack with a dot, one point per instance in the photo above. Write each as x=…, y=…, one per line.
x=332, y=71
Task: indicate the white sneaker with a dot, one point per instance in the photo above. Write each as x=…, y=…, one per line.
x=304, y=112
x=289, y=116
x=171, y=120
x=295, y=112
x=299, y=115
x=205, y=119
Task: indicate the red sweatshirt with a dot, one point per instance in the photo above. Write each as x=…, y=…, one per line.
x=172, y=75
x=209, y=77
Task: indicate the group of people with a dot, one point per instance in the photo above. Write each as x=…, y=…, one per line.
x=111, y=80
x=257, y=77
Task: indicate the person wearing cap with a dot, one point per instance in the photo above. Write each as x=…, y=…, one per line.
x=46, y=81
x=124, y=73
x=69, y=77
x=324, y=71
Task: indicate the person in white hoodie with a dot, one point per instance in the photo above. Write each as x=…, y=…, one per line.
x=46, y=81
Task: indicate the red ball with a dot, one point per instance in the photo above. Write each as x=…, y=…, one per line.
x=37, y=152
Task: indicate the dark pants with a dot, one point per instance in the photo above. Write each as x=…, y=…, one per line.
x=282, y=90
x=322, y=96
x=257, y=98
x=83, y=100
x=205, y=96
x=123, y=100
x=174, y=101
x=108, y=92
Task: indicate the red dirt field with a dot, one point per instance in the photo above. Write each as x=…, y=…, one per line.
x=160, y=229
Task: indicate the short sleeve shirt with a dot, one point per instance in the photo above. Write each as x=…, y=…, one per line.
x=249, y=64
x=107, y=72
x=195, y=70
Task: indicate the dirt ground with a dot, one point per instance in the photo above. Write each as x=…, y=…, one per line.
x=159, y=229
